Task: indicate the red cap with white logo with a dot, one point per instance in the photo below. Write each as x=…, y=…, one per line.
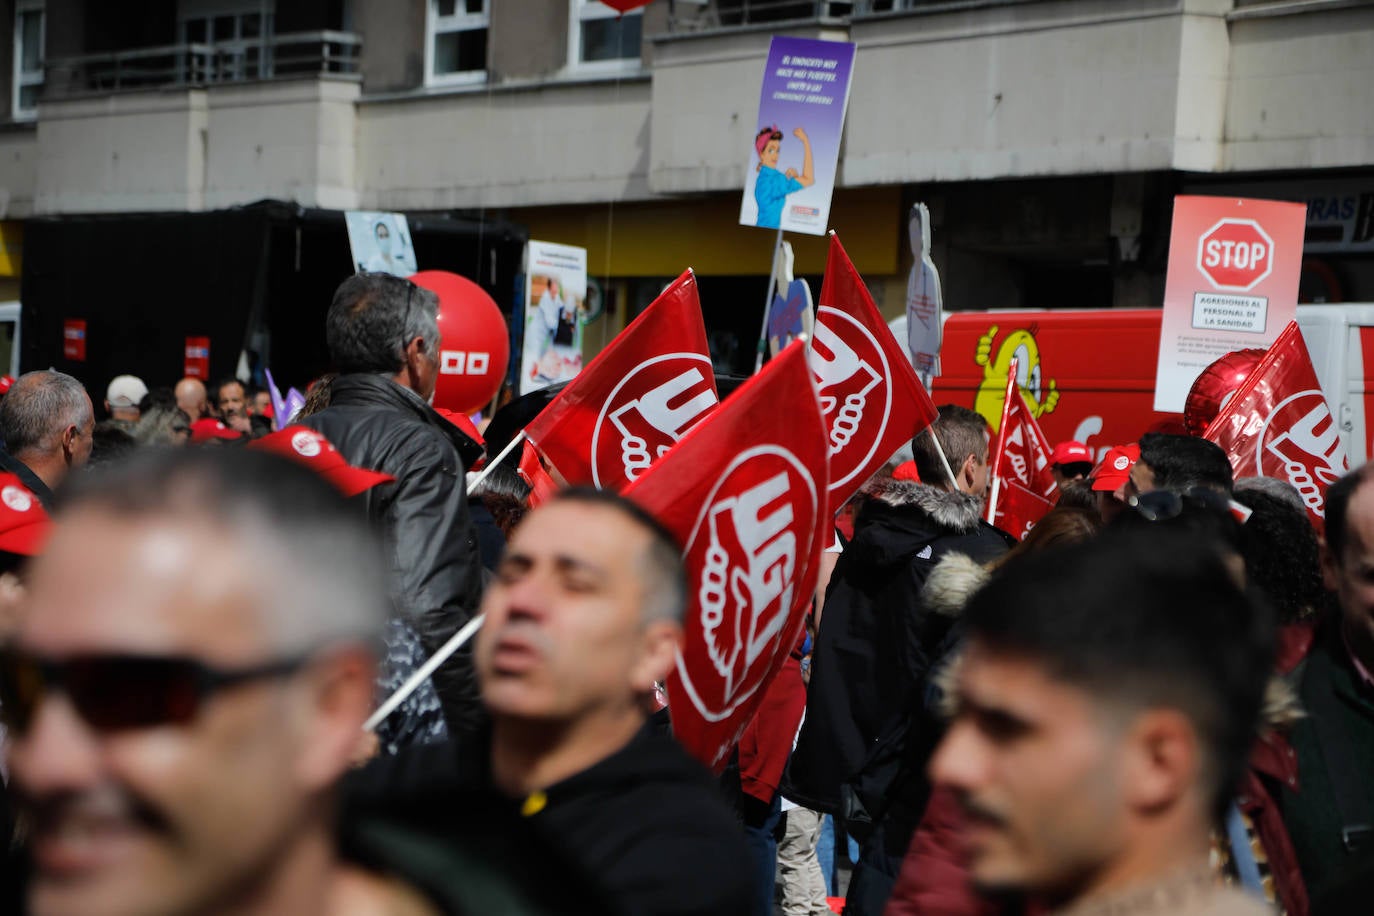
x=302, y=444
x=1115, y=468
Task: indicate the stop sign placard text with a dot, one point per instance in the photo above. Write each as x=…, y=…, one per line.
x=1235, y=254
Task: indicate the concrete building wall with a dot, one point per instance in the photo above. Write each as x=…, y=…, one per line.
x=1300, y=89
x=18, y=171
x=292, y=140
x=528, y=39
x=134, y=151
x=555, y=143
x=393, y=55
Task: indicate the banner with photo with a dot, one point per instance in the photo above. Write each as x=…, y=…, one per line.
x=791, y=172
x=555, y=311
x=380, y=242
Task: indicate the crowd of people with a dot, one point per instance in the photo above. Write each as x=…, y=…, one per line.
x=1158, y=701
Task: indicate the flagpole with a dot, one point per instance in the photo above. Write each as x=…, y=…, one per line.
x=1001, y=433
x=491, y=465
x=768, y=303
x=940, y=450
x=423, y=672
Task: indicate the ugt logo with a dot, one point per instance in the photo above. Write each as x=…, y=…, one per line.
x=751, y=542
x=656, y=402
x=852, y=375
x=1301, y=443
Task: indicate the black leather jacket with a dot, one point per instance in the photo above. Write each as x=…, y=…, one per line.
x=436, y=576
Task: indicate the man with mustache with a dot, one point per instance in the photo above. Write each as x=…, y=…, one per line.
x=582, y=620
x=1106, y=704
x=178, y=726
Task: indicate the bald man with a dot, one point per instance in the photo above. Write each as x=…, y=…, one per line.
x=191, y=398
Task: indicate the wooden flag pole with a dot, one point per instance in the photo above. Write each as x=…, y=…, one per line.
x=939, y=449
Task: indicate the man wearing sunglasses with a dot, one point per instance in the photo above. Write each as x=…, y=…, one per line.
x=176, y=726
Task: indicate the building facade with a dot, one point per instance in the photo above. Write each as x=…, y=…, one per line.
x=1047, y=137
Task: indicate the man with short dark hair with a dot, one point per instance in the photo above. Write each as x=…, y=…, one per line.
x=1179, y=463
x=1106, y=705
x=48, y=423
x=230, y=405
x=383, y=337
x=578, y=630
x=878, y=643
x=1330, y=814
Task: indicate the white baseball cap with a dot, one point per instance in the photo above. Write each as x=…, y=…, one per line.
x=126, y=391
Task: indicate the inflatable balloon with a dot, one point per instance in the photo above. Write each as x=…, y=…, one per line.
x=1214, y=387
x=474, y=342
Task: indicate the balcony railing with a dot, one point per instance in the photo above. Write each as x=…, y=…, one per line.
x=707, y=15
x=281, y=56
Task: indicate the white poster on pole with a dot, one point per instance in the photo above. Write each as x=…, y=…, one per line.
x=380, y=242
x=555, y=311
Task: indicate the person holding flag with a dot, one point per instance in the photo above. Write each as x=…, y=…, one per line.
x=865, y=727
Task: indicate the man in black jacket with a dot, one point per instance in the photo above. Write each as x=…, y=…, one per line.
x=582, y=620
x=383, y=337
x=878, y=643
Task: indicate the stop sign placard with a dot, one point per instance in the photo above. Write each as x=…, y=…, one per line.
x=1235, y=254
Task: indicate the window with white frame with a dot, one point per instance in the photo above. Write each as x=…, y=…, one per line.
x=28, y=58
x=602, y=39
x=457, y=42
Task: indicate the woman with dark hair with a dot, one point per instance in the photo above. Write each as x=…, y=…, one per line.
x=772, y=186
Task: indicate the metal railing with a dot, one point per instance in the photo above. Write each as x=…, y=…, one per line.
x=705, y=15
x=287, y=55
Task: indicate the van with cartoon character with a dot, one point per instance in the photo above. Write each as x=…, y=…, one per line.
x=1089, y=375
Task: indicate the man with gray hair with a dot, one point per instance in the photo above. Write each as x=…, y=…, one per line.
x=177, y=725
x=48, y=423
x=383, y=336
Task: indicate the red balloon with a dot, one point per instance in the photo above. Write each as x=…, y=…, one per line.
x=474, y=342
x=625, y=6
x=1214, y=387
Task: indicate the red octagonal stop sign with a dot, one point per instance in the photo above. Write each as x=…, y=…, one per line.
x=1235, y=254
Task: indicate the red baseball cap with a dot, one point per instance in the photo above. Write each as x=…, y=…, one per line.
x=6, y=382
x=302, y=444
x=1115, y=468
x=1071, y=452
x=207, y=428
x=24, y=524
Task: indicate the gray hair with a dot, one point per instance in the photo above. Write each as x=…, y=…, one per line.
x=158, y=425
x=1270, y=486
x=39, y=407
x=372, y=318
x=313, y=555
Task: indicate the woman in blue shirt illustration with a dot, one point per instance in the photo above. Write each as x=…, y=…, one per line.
x=771, y=187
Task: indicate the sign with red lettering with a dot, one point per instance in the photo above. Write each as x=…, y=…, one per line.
x=74, y=339
x=1233, y=284
x=197, y=358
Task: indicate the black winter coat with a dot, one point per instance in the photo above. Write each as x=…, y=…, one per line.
x=878, y=643
x=436, y=577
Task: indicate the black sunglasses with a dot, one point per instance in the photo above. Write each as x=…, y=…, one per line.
x=114, y=692
x=1162, y=505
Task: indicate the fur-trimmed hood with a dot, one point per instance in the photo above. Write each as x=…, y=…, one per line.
x=950, y=509
x=952, y=583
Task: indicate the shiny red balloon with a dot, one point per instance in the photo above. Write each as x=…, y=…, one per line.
x=1214, y=387
x=474, y=342
x=625, y=6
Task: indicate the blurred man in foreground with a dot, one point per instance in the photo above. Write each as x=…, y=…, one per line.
x=1105, y=707
x=177, y=723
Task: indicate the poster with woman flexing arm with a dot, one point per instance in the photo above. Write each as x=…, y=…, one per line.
x=796, y=144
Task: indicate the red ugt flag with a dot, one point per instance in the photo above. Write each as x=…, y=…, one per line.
x=1278, y=424
x=1025, y=488
x=870, y=396
x=744, y=491
x=637, y=398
